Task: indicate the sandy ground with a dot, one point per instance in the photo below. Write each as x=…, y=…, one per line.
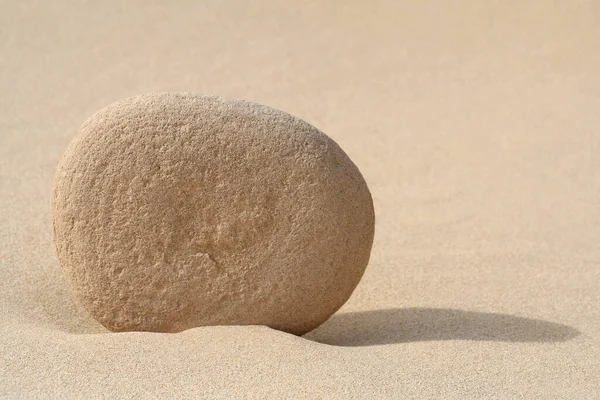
x=475, y=123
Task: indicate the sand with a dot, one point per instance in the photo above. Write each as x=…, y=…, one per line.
x=475, y=124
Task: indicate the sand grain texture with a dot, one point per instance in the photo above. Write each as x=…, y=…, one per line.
x=474, y=123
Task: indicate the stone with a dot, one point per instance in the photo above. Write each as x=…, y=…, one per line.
x=177, y=210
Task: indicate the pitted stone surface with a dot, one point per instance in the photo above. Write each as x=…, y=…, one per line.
x=177, y=210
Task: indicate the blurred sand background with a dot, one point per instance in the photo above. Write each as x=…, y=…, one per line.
x=475, y=123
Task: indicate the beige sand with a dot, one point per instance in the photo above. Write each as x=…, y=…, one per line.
x=476, y=125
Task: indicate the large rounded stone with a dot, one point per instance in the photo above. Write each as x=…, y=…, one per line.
x=177, y=210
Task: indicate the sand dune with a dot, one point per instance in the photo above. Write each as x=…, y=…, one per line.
x=475, y=124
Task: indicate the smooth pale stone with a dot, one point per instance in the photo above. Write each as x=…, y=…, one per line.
x=177, y=210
